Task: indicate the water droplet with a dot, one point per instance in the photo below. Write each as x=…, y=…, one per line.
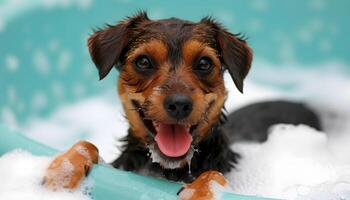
x=189, y=166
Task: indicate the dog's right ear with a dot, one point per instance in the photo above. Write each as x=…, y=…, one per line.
x=106, y=45
x=236, y=55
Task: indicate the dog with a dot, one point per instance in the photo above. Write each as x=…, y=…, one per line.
x=172, y=90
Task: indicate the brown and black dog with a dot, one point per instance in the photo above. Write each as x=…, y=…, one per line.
x=172, y=89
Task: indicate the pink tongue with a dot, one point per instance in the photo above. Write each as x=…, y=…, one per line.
x=173, y=140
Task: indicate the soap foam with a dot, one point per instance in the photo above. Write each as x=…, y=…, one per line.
x=22, y=175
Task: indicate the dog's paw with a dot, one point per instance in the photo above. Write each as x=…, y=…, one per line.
x=68, y=169
x=207, y=186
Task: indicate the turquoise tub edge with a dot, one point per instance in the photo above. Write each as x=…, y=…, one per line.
x=108, y=182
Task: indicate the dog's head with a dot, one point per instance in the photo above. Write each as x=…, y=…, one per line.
x=171, y=78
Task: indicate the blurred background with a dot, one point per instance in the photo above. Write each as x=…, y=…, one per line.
x=50, y=89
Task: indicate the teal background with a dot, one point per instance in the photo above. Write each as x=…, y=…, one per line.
x=44, y=62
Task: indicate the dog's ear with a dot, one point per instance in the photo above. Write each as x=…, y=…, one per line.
x=235, y=53
x=236, y=56
x=106, y=45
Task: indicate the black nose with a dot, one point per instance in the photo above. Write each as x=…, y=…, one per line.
x=178, y=106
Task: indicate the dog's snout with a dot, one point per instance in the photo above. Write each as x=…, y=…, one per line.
x=178, y=106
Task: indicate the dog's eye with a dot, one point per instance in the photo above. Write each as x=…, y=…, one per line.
x=204, y=65
x=142, y=63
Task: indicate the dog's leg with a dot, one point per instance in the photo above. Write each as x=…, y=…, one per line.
x=206, y=186
x=68, y=169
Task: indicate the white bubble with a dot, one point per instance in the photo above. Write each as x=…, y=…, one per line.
x=79, y=90
x=41, y=62
x=57, y=89
x=287, y=51
x=333, y=29
x=318, y=5
x=54, y=45
x=11, y=94
x=217, y=189
x=39, y=101
x=25, y=183
x=89, y=116
x=316, y=24
x=305, y=35
x=20, y=107
x=186, y=194
x=325, y=45
x=295, y=161
x=84, y=4
x=260, y=5
x=155, y=13
x=255, y=25
x=62, y=176
x=9, y=118
x=64, y=60
x=2, y=25
x=11, y=62
x=49, y=4
x=82, y=150
x=225, y=17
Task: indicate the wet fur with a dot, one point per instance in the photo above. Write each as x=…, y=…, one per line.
x=173, y=45
x=213, y=153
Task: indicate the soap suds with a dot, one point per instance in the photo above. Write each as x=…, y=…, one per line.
x=297, y=162
x=22, y=175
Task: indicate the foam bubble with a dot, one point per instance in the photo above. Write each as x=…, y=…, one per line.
x=83, y=151
x=295, y=163
x=22, y=174
x=217, y=189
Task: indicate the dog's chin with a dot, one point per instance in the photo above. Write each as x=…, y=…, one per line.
x=170, y=162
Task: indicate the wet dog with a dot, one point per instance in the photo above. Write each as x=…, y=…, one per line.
x=172, y=89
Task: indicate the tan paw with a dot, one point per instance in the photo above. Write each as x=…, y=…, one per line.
x=205, y=187
x=67, y=170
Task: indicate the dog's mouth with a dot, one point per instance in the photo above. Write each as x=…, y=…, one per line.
x=173, y=140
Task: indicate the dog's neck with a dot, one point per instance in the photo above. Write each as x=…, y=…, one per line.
x=136, y=157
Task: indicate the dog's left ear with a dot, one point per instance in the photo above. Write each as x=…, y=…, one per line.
x=106, y=45
x=236, y=55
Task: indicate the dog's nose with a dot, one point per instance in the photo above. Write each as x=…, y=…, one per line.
x=178, y=106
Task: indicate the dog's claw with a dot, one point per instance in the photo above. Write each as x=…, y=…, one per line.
x=180, y=190
x=68, y=169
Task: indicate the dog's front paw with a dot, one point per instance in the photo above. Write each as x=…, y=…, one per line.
x=207, y=186
x=68, y=169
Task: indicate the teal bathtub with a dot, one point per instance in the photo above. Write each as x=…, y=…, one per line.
x=109, y=183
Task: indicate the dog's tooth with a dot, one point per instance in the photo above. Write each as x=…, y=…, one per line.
x=154, y=124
